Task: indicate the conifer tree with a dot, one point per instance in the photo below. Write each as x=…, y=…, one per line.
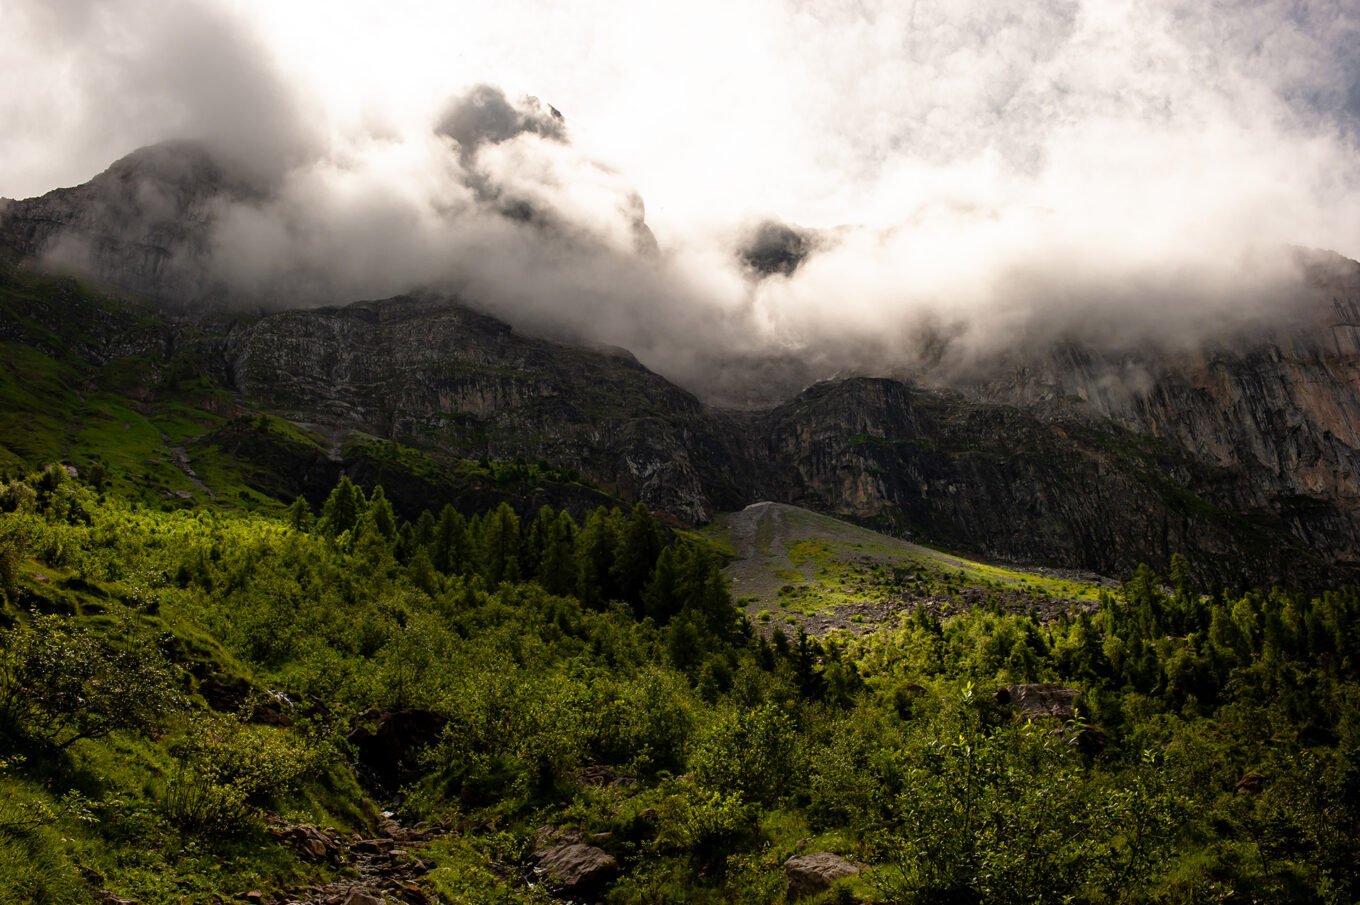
x=639, y=547
x=662, y=597
x=343, y=508
x=451, y=550
x=500, y=545
x=381, y=516
x=556, y=558
x=300, y=515
x=596, y=547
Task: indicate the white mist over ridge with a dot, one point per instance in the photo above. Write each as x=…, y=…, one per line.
x=969, y=178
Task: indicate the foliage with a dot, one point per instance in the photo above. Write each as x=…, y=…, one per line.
x=227, y=766
x=62, y=683
x=591, y=670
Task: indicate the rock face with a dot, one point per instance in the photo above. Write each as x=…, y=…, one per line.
x=1007, y=481
x=808, y=875
x=430, y=372
x=1277, y=410
x=143, y=225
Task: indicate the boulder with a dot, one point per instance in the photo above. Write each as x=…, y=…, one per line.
x=549, y=837
x=312, y=843
x=1040, y=700
x=576, y=869
x=810, y=874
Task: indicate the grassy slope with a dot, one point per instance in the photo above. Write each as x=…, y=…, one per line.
x=135, y=414
x=86, y=379
x=795, y=567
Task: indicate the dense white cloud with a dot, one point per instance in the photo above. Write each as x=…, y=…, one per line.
x=1115, y=169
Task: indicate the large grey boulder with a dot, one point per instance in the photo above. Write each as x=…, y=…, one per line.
x=810, y=874
x=575, y=869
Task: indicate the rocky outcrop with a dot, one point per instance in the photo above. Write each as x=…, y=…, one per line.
x=808, y=875
x=430, y=372
x=144, y=225
x=1034, y=701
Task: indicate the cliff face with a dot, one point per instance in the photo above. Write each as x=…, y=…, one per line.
x=1010, y=484
x=143, y=225
x=1277, y=412
x=431, y=373
x=1065, y=485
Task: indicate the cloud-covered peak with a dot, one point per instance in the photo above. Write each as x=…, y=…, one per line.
x=483, y=115
x=968, y=177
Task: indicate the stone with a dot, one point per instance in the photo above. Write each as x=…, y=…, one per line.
x=414, y=895
x=810, y=874
x=312, y=843
x=549, y=837
x=577, y=869
x=359, y=896
x=1039, y=700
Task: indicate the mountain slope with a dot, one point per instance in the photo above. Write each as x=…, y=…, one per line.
x=1244, y=454
x=794, y=567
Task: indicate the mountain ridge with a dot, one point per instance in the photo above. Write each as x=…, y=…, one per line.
x=1245, y=455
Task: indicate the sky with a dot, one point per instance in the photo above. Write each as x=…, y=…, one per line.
x=974, y=173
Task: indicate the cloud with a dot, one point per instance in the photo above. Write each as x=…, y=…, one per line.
x=969, y=178
x=89, y=80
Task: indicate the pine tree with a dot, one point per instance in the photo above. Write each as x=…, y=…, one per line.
x=662, y=597
x=424, y=529
x=500, y=545
x=557, y=558
x=342, y=509
x=380, y=513
x=451, y=550
x=639, y=547
x=300, y=515
x=596, y=547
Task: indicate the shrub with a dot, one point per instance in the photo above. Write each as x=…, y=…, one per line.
x=227, y=767
x=60, y=683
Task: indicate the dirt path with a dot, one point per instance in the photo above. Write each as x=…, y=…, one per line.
x=180, y=456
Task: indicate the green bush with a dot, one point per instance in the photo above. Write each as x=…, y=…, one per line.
x=60, y=683
x=228, y=768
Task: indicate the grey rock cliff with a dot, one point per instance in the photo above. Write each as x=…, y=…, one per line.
x=143, y=225
x=432, y=373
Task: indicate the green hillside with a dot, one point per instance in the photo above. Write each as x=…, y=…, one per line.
x=469, y=707
x=801, y=569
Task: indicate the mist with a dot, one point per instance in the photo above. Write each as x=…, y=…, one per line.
x=829, y=188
